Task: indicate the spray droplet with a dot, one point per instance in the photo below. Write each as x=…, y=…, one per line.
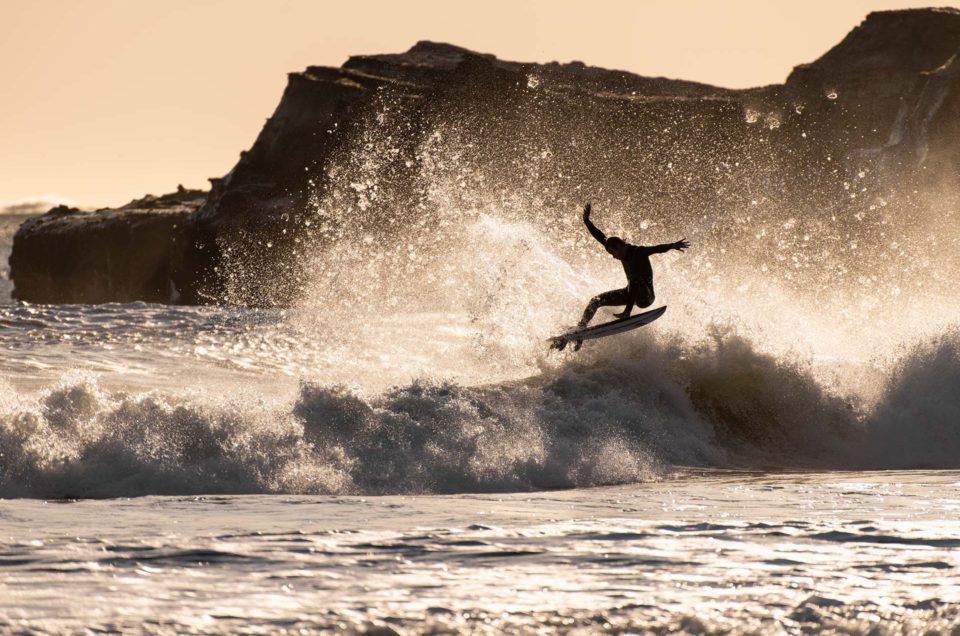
x=533, y=81
x=752, y=116
x=832, y=93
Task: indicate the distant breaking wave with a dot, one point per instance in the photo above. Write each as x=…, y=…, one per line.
x=612, y=415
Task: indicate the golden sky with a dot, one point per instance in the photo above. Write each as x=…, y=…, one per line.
x=103, y=101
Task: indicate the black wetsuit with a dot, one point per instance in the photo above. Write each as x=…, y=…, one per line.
x=636, y=265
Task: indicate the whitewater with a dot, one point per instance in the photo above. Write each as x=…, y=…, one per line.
x=400, y=450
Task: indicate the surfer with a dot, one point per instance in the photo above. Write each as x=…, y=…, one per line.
x=636, y=265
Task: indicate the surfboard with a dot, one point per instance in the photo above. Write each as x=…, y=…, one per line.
x=608, y=328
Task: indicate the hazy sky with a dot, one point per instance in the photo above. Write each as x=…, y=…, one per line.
x=106, y=100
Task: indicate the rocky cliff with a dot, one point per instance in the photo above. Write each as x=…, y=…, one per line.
x=114, y=255
x=357, y=153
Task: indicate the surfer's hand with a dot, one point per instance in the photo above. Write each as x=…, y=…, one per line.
x=586, y=211
x=681, y=245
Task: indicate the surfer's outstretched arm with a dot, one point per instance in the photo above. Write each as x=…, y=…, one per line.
x=680, y=245
x=594, y=230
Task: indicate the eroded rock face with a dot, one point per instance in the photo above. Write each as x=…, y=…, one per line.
x=118, y=255
x=874, y=74
x=369, y=142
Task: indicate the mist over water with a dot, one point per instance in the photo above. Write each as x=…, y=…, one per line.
x=502, y=242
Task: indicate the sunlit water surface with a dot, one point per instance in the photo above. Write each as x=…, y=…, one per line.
x=698, y=553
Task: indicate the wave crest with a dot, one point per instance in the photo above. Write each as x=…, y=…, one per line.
x=614, y=413
x=79, y=441
x=917, y=422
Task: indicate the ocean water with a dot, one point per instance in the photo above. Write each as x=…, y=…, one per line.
x=701, y=552
x=401, y=451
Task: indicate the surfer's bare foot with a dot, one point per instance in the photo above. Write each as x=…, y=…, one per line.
x=577, y=344
x=559, y=344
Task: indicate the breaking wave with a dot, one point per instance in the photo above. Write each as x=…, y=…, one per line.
x=612, y=415
x=917, y=421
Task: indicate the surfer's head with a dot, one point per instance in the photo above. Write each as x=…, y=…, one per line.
x=616, y=246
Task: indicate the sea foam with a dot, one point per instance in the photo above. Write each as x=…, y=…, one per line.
x=614, y=414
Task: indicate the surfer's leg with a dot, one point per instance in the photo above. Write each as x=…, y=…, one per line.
x=645, y=296
x=613, y=297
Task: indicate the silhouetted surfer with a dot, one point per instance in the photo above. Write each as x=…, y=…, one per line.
x=636, y=265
